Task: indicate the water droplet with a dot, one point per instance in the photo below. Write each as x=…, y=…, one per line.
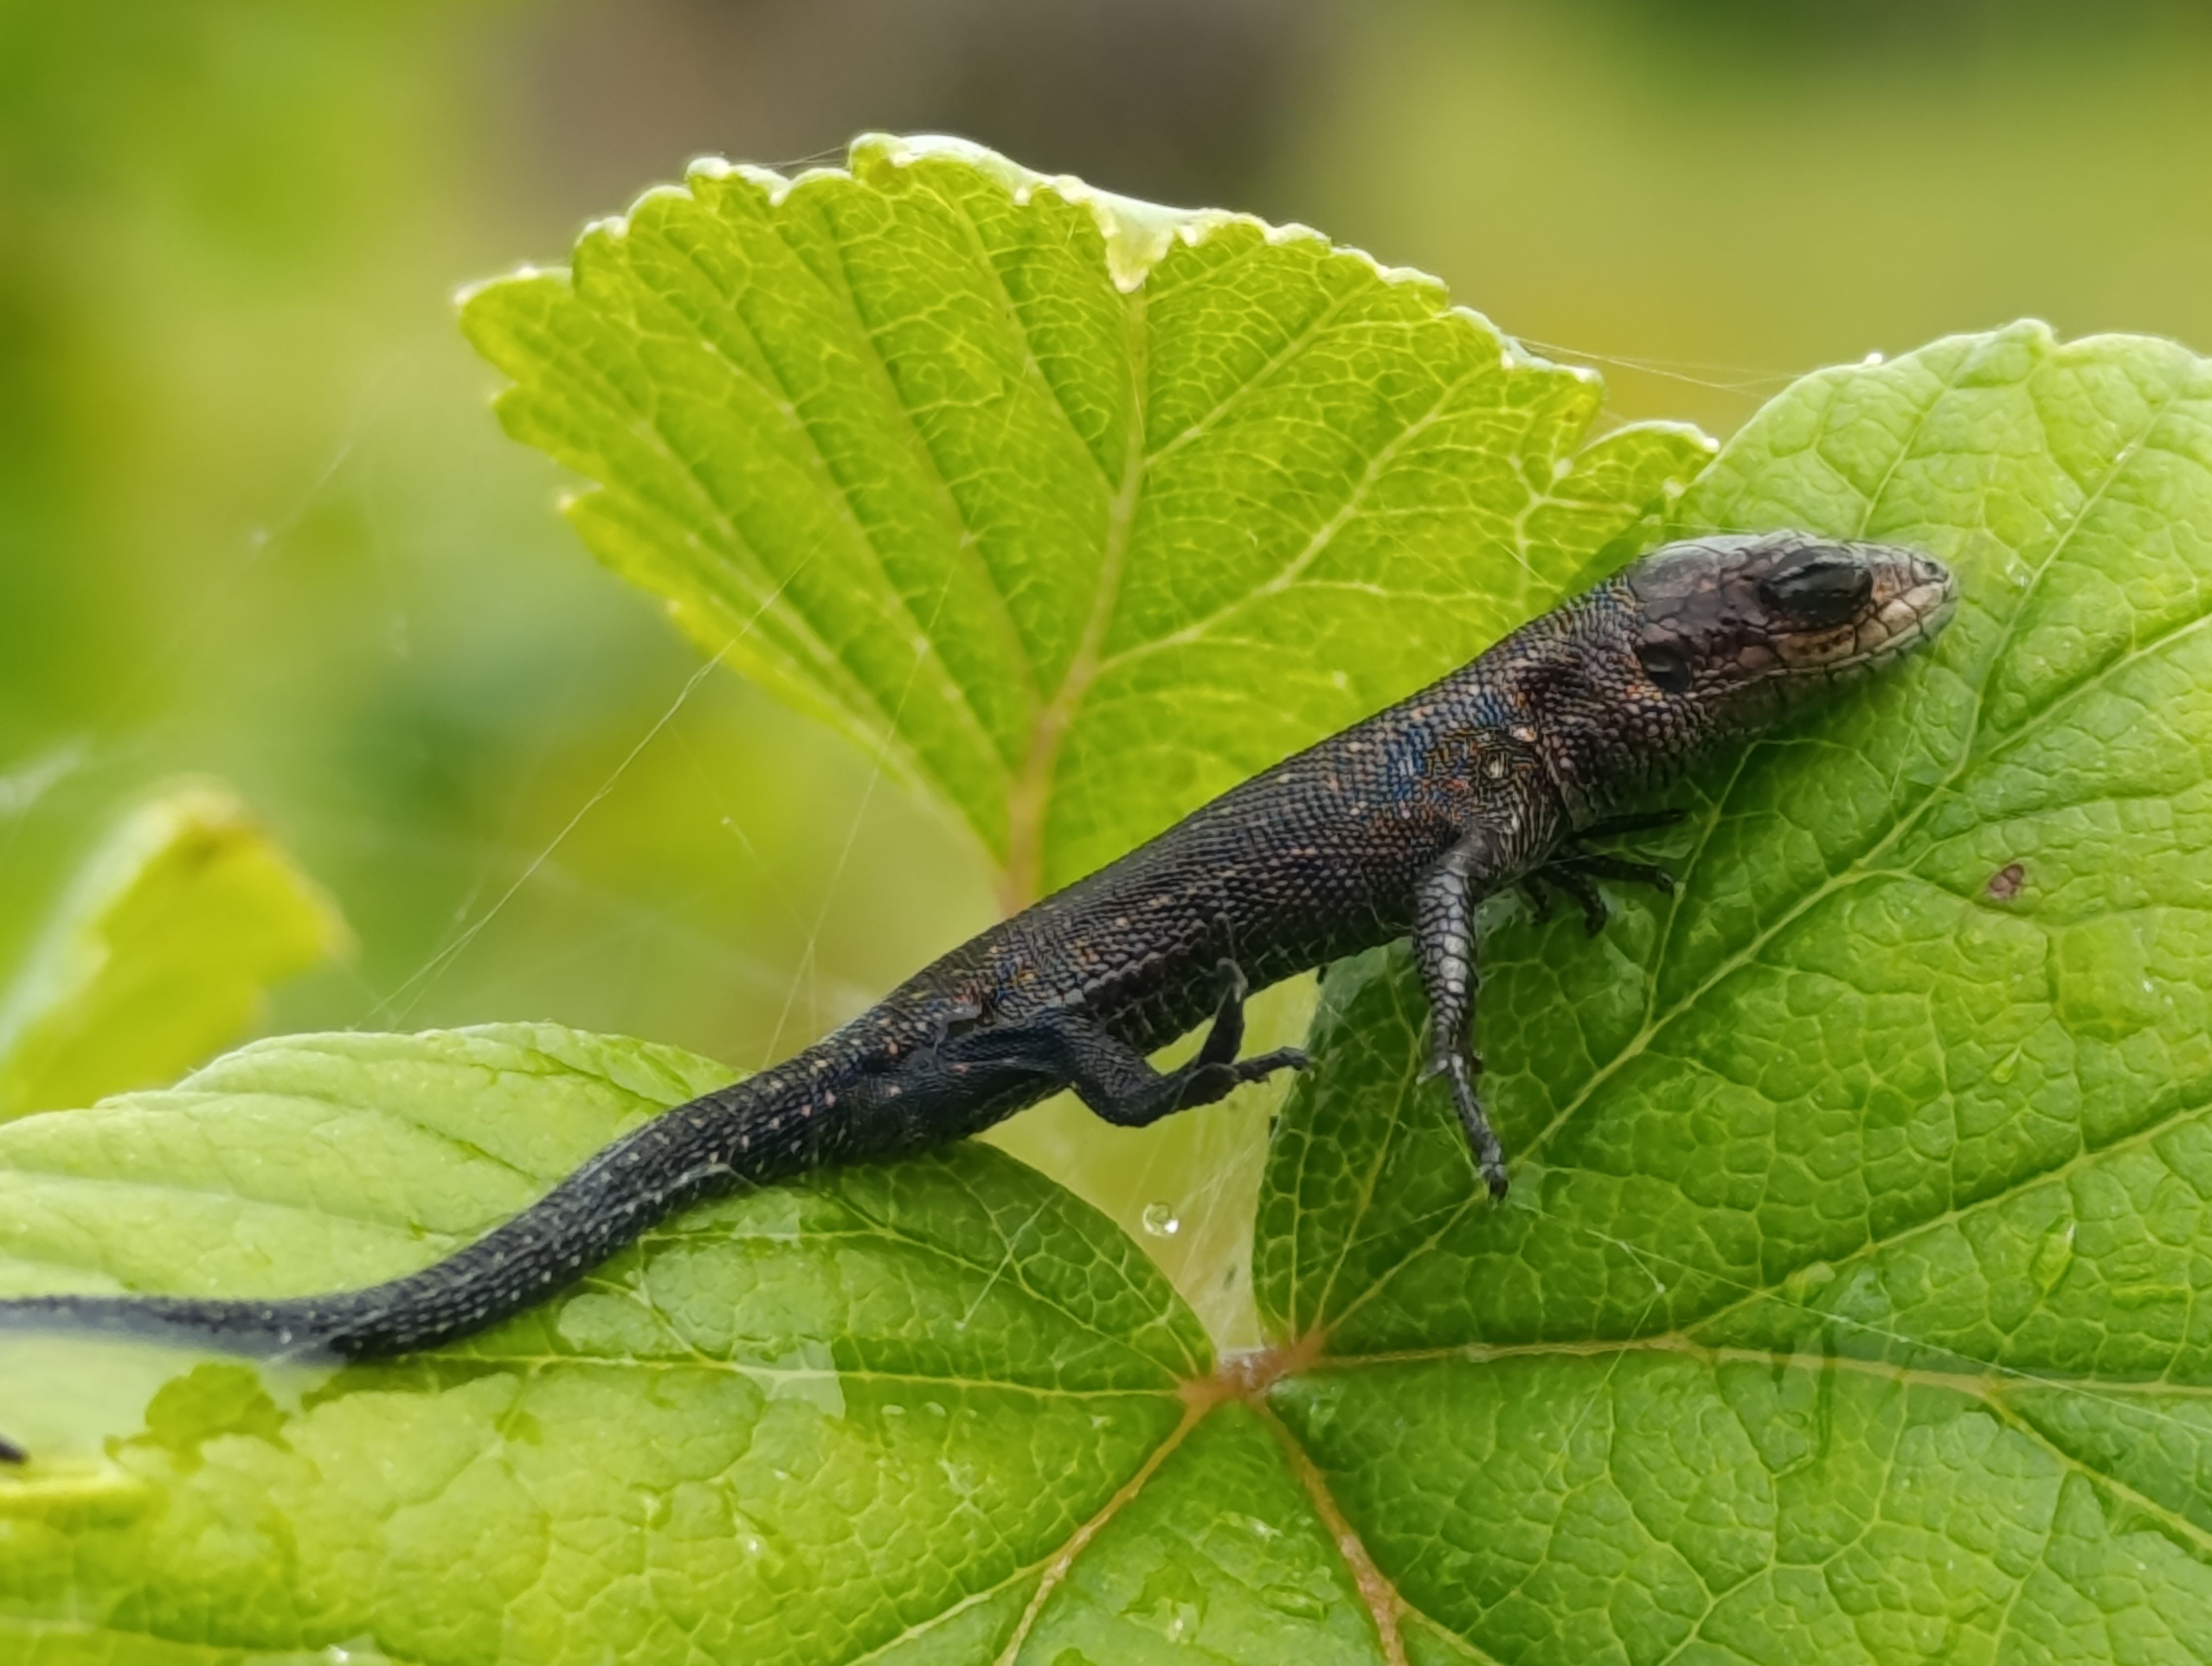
x=1160, y=1220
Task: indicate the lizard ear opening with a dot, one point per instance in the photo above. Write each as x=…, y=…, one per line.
x=1666, y=664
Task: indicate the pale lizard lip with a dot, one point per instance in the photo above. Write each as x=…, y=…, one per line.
x=1920, y=609
x=1922, y=596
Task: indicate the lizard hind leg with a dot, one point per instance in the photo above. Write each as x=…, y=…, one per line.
x=1225, y=1038
x=1116, y=1082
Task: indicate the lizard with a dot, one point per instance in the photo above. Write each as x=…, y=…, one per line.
x=1497, y=775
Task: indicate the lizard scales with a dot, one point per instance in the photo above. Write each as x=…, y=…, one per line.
x=1490, y=777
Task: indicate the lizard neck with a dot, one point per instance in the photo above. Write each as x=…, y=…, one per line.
x=1554, y=673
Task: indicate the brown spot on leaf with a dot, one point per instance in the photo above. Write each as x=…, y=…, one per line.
x=2005, y=884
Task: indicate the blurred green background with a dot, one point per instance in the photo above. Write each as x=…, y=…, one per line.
x=256, y=521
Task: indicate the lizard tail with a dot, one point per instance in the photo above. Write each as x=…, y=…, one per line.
x=749, y=1133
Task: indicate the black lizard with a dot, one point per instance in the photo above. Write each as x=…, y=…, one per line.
x=1494, y=776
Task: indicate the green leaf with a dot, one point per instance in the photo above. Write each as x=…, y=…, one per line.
x=799, y=1425
x=1219, y=1557
x=160, y=953
x=1051, y=499
x=1848, y=1305
x=1074, y=509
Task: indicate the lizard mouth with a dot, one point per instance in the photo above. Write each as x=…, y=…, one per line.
x=1914, y=596
x=1908, y=600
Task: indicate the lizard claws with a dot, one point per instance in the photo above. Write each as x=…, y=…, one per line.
x=1265, y=1064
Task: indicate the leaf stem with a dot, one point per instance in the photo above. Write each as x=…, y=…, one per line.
x=1028, y=796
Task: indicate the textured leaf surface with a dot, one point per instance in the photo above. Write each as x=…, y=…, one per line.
x=1073, y=509
x=864, y=1417
x=1847, y=1306
x=1077, y=509
x=158, y=956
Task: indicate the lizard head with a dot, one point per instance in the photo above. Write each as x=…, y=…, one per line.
x=1711, y=637
x=1722, y=629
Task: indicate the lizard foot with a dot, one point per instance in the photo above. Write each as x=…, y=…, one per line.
x=1481, y=1139
x=1260, y=1066
x=1576, y=869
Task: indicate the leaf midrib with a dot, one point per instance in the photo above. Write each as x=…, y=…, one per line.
x=2192, y=1102
x=458, y=1364
x=1029, y=797
x=1987, y=1389
x=1054, y=1568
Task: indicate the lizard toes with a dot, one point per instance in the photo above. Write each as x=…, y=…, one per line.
x=1265, y=1064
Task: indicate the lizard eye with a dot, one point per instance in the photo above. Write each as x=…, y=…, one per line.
x=1666, y=664
x=1820, y=588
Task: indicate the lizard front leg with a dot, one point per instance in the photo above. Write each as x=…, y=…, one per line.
x=1574, y=868
x=1443, y=949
